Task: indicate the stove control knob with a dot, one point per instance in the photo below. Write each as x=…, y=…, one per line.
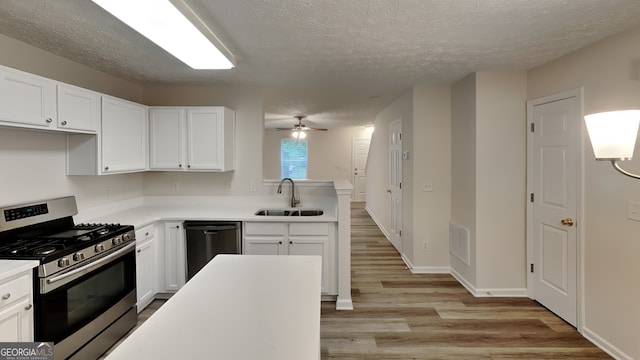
x=63, y=262
x=126, y=237
x=78, y=256
x=99, y=248
x=117, y=240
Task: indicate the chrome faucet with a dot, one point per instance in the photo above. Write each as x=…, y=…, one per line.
x=294, y=200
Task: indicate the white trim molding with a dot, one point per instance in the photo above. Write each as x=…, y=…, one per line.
x=604, y=344
x=488, y=292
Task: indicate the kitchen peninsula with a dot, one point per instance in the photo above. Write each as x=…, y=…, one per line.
x=158, y=221
x=237, y=307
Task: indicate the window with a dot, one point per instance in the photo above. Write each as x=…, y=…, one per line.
x=293, y=158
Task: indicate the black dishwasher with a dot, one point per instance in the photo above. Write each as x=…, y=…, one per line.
x=206, y=239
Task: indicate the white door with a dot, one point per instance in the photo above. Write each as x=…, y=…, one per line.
x=553, y=203
x=395, y=183
x=360, y=153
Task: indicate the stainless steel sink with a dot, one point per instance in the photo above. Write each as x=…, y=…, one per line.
x=289, y=212
x=273, y=212
x=307, y=212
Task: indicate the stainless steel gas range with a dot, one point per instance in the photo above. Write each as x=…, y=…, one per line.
x=85, y=286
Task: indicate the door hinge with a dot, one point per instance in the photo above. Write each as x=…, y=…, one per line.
x=532, y=197
x=400, y=185
x=400, y=136
x=400, y=233
x=531, y=268
x=533, y=127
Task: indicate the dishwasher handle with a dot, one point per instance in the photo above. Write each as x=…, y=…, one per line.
x=210, y=229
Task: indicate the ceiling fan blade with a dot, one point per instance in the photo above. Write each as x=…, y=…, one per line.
x=318, y=129
x=283, y=129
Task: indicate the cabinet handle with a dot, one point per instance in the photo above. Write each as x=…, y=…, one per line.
x=106, y=168
x=146, y=234
x=280, y=242
x=139, y=250
x=177, y=226
x=6, y=296
x=63, y=123
x=49, y=120
x=28, y=307
x=189, y=166
x=290, y=242
x=179, y=165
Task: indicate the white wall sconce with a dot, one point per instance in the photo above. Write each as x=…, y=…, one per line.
x=613, y=136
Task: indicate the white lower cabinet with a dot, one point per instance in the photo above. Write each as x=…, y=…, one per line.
x=146, y=266
x=174, y=256
x=295, y=238
x=16, y=308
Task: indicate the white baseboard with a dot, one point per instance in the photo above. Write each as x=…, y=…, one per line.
x=425, y=269
x=377, y=221
x=604, y=345
x=486, y=292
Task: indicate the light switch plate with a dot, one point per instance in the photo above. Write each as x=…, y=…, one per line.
x=633, y=210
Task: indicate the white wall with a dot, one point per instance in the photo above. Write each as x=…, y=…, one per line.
x=426, y=136
x=378, y=200
x=431, y=159
x=488, y=178
x=500, y=180
x=609, y=72
x=330, y=152
x=32, y=162
x=463, y=168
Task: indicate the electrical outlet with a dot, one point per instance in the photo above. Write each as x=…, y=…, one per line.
x=175, y=186
x=252, y=186
x=228, y=186
x=427, y=186
x=426, y=246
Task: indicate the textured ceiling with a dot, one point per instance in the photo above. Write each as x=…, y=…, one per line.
x=338, y=61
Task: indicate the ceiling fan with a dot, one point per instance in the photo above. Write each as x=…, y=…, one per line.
x=298, y=130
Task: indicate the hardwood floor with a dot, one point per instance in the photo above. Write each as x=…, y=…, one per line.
x=399, y=315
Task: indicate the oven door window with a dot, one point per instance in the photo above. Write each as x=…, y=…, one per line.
x=68, y=308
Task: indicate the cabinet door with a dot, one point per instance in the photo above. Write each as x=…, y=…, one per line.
x=204, y=127
x=145, y=272
x=16, y=321
x=78, y=109
x=174, y=256
x=264, y=245
x=313, y=245
x=211, y=138
x=124, y=136
x=167, y=136
x=27, y=99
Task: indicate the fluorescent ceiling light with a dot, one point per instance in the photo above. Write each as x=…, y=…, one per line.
x=163, y=23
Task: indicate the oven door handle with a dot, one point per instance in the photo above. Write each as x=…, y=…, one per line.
x=89, y=267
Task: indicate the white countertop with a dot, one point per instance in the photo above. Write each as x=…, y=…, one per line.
x=237, y=208
x=237, y=307
x=10, y=268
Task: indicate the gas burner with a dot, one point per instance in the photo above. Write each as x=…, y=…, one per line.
x=103, y=231
x=44, y=250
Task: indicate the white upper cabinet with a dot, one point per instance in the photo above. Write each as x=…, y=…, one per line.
x=78, y=109
x=119, y=147
x=192, y=138
x=167, y=139
x=124, y=135
x=27, y=100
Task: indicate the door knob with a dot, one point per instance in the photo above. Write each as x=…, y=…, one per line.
x=567, y=222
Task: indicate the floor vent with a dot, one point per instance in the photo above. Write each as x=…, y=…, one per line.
x=459, y=243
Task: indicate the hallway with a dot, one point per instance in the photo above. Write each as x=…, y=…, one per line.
x=399, y=315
